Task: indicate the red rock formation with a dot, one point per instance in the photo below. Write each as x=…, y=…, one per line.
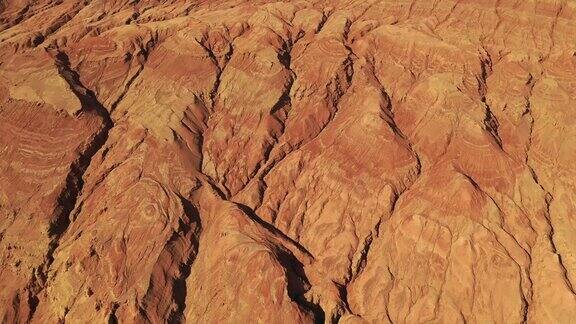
x=305, y=161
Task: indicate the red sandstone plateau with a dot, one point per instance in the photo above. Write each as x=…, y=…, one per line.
x=308, y=161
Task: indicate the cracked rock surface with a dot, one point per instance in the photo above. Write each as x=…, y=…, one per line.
x=233, y=161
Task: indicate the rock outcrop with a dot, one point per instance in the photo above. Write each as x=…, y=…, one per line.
x=233, y=161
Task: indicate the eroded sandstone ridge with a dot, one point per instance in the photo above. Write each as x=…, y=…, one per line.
x=386, y=161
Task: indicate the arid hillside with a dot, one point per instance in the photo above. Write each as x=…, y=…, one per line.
x=243, y=161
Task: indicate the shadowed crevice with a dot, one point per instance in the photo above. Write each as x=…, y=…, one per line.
x=179, y=289
x=68, y=197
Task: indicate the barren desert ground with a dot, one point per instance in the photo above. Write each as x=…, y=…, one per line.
x=306, y=161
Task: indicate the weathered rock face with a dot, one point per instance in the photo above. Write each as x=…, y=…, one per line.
x=256, y=161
